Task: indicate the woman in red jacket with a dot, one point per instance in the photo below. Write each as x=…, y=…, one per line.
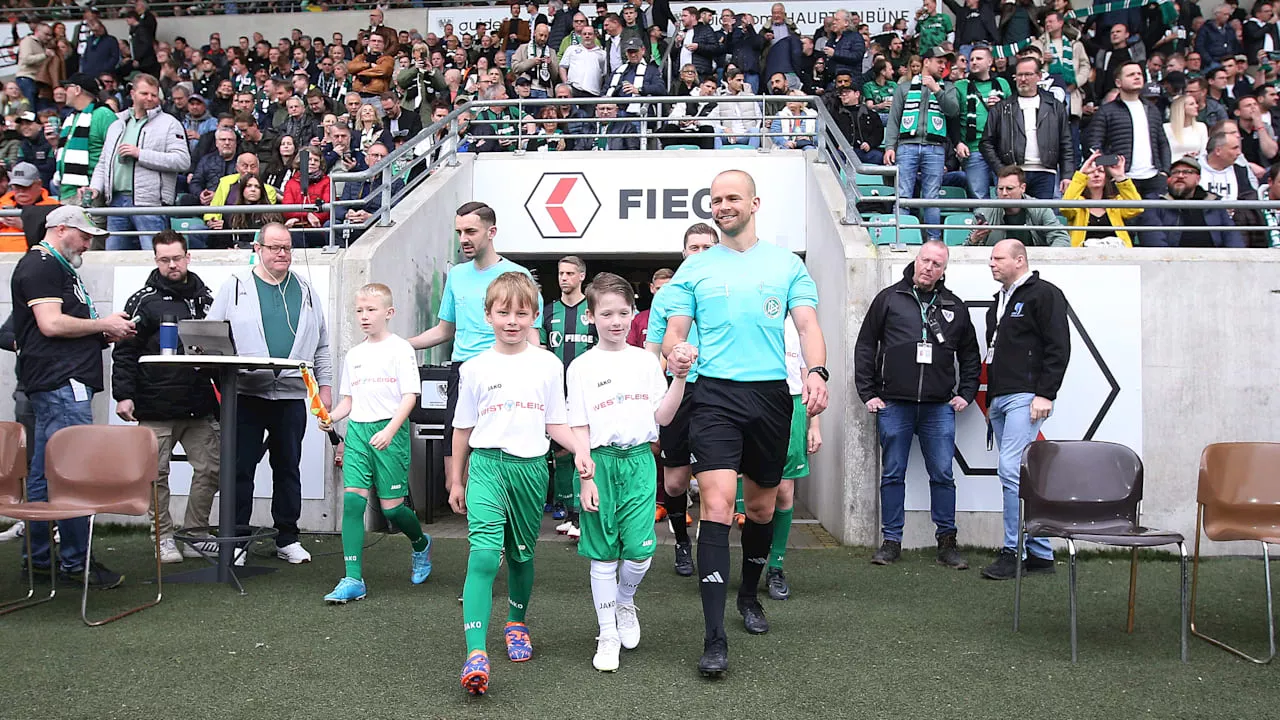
x=317, y=192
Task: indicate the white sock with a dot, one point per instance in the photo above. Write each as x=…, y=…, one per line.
x=632, y=573
x=604, y=592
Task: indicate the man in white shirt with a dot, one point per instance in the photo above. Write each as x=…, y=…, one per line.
x=584, y=65
x=1219, y=173
x=1135, y=129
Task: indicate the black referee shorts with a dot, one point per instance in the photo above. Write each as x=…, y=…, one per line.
x=451, y=405
x=673, y=438
x=741, y=426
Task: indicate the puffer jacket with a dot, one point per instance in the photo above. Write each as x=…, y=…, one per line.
x=159, y=392
x=1111, y=132
x=164, y=155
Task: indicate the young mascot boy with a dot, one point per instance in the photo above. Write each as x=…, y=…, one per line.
x=616, y=392
x=510, y=398
x=379, y=389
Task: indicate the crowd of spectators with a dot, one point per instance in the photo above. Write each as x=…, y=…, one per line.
x=1051, y=101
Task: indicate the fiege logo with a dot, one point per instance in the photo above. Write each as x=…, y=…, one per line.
x=620, y=399
x=511, y=406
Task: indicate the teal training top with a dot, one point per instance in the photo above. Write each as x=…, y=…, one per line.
x=463, y=305
x=740, y=302
x=658, y=311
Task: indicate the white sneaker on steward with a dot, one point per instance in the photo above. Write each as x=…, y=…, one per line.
x=293, y=553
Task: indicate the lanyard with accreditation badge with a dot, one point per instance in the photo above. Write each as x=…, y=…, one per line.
x=929, y=323
x=84, y=291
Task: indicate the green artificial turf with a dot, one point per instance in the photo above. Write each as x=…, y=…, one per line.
x=910, y=641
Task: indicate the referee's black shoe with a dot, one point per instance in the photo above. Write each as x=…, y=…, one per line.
x=714, y=662
x=753, y=616
x=684, y=559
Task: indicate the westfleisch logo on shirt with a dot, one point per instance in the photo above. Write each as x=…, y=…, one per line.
x=511, y=406
x=621, y=398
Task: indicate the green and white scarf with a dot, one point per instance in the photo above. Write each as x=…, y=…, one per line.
x=73, y=157
x=1168, y=13
x=975, y=116
x=1062, y=66
x=916, y=117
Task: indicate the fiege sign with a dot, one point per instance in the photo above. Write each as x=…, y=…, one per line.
x=597, y=203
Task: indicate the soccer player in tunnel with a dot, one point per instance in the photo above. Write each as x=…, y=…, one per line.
x=739, y=293
x=566, y=332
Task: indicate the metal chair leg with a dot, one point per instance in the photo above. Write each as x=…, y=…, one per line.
x=1133, y=589
x=84, y=598
x=1017, y=573
x=1071, y=592
x=1195, y=577
x=26, y=602
x=1182, y=600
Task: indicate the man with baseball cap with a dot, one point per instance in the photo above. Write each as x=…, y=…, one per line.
x=635, y=77
x=916, y=136
x=25, y=190
x=35, y=148
x=79, y=144
x=60, y=336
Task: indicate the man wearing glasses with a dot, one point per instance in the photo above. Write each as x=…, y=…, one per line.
x=177, y=403
x=275, y=313
x=1032, y=131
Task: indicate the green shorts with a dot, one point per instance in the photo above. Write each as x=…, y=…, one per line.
x=798, y=448
x=623, y=527
x=384, y=471
x=505, y=494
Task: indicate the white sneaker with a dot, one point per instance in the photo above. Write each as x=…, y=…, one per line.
x=564, y=527
x=628, y=626
x=294, y=554
x=14, y=532
x=575, y=532
x=169, y=551
x=608, y=648
x=194, y=549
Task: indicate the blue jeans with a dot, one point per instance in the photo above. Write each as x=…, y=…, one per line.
x=1042, y=185
x=871, y=157
x=929, y=161
x=284, y=422
x=536, y=93
x=977, y=174
x=752, y=80
x=122, y=223
x=935, y=425
x=54, y=410
x=29, y=90
x=1010, y=417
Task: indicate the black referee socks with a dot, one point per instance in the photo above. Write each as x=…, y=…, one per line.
x=677, y=506
x=713, y=566
x=756, y=541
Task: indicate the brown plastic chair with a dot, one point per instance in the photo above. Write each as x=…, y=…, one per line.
x=1239, y=499
x=13, y=474
x=94, y=469
x=1084, y=490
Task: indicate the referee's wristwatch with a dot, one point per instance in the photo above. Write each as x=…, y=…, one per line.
x=822, y=372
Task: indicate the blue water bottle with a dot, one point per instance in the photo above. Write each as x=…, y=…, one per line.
x=168, y=334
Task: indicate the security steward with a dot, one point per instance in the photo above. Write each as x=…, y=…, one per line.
x=916, y=366
x=739, y=293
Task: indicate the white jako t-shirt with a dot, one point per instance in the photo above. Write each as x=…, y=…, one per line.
x=1142, y=166
x=795, y=363
x=510, y=400
x=615, y=394
x=377, y=376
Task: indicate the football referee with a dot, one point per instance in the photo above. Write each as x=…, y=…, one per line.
x=739, y=293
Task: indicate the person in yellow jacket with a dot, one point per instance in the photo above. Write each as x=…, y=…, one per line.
x=246, y=165
x=1096, y=182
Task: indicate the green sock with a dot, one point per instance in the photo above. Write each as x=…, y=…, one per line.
x=402, y=517
x=781, y=531
x=519, y=588
x=740, y=505
x=477, y=596
x=564, y=481
x=353, y=506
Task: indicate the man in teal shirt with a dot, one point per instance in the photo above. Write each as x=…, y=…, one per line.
x=739, y=293
x=462, y=306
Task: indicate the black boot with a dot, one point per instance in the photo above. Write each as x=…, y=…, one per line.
x=948, y=555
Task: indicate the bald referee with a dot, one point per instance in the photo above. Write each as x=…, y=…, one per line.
x=739, y=293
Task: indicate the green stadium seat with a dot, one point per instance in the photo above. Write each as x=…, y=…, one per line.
x=868, y=191
x=951, y=192
x=864, y=179
x=960, y=235
x=736, y=147
x=890, y=235
x=681, y=147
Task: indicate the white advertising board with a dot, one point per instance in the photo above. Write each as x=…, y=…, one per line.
x=602, y=203
x=807, y=15
x=1101, y=395
x=129, y=279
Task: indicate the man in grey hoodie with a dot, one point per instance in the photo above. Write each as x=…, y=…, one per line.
x=144, y=151
x=275, y=313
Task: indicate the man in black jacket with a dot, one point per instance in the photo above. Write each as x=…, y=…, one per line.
x=1046, y=155
x=178, y=404
x=694, y=43
x=1119, y=127
x=1028, y=348
x=916, y=365
x=860, y=125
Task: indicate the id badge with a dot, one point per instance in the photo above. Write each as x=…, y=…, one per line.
x=79, y=391
x=924, y=353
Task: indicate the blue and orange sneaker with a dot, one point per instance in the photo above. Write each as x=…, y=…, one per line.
x=519, y=646
x=475, y=672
